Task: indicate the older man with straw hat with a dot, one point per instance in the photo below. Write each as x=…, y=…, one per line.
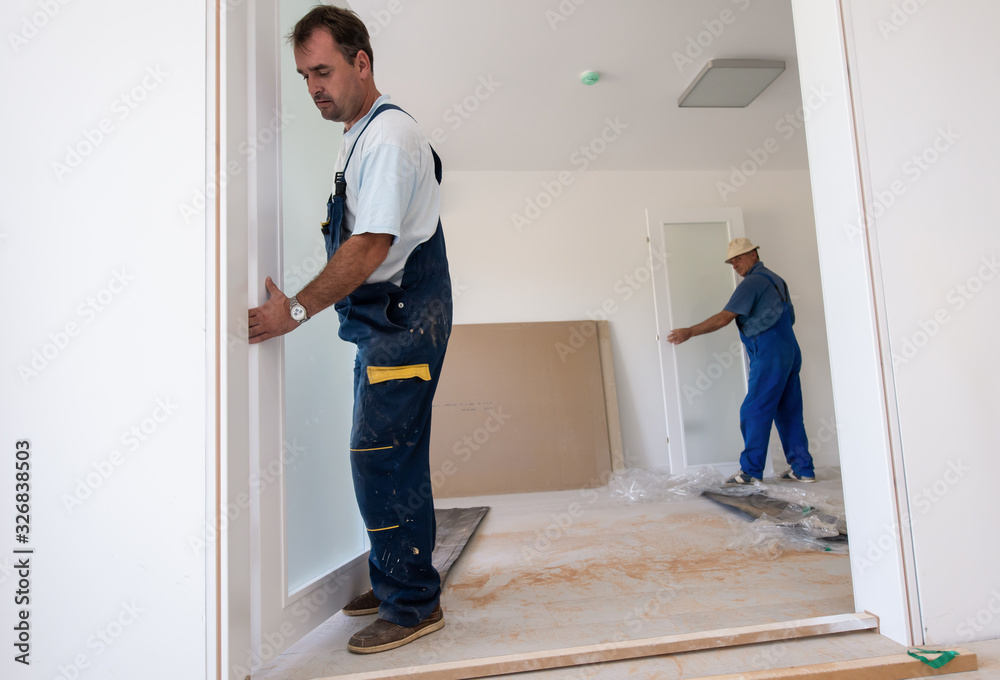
x=764, y=315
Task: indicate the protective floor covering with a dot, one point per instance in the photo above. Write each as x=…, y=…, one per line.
x=455, y=527
x=570, y=568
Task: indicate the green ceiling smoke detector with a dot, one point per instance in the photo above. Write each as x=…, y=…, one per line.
x=590, y=77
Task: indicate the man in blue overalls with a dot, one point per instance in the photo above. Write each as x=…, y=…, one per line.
x=387, y=275
x=764, y=314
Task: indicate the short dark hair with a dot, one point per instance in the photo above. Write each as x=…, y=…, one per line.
x=344, y=25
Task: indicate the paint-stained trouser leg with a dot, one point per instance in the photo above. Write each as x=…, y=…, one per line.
x=390, y=460
x=402, y=333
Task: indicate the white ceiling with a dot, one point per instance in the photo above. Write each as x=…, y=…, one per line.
x=431, y=55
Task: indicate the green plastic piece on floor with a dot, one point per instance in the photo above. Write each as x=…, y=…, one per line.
x=944, y=657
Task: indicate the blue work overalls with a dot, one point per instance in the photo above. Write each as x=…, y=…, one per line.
x=401, y=333
x=774, y=394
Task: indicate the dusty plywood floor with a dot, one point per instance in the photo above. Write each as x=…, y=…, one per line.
x=571, y=568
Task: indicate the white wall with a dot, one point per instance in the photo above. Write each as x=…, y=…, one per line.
x=910, y=297
x=104, y=345
x=585, y=249
x=931, y=136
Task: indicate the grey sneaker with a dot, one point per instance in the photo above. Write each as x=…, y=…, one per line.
x=383, y=635
x=740, y=479
x=363, y=604
x=792, y=477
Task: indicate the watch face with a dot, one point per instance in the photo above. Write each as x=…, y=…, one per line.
x=298, y=312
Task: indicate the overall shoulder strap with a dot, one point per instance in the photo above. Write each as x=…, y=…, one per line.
x=785, y=297
x=387, y=107
x=374, y=115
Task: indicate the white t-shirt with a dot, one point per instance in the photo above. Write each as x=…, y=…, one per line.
x=391, y=188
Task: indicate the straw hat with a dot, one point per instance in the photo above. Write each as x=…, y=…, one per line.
x=739, y=246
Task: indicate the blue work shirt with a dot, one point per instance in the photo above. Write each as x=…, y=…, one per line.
x=757, y=303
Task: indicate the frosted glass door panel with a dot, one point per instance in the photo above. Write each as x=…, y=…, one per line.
x=322, y=526
x=710, y=368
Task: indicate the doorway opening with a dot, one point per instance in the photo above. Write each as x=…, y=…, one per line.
x=544, y=508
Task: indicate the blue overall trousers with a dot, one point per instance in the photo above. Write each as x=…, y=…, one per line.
x=774, y=394
x=401, y=332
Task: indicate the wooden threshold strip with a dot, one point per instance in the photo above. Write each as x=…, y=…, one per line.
x=628, y=649
x=893, y=667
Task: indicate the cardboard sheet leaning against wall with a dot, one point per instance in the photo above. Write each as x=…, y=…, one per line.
x=520, y=407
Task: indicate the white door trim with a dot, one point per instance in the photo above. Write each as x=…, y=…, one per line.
x=258, y=618
x=655, y=218
x=882, y=564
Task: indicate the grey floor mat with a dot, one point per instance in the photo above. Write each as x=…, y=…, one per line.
x=455, y=527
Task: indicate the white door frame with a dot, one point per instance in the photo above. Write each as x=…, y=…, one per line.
x=279, y=617
x=673, y=411
x=228, y=125
x=883, y=568
x=258, y=618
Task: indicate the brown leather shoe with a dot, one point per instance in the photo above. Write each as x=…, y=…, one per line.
x=382, y=635
x=363, y=604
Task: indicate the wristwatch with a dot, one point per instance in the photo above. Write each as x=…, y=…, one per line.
x=297, y=311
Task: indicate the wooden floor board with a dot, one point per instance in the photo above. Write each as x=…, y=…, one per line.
x=895, y=667
x=626, y=649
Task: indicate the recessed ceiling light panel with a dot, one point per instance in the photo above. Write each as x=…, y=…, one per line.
x=730, y=83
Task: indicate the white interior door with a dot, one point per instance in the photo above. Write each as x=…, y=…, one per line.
x=704, y=379
x=310, y=546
